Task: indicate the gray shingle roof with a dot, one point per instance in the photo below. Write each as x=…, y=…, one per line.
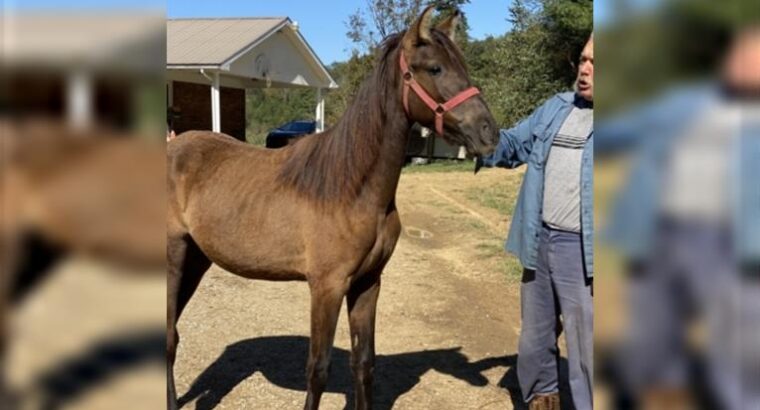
x=213, y=41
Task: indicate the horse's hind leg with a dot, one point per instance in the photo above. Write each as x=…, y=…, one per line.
x=186, y=266
x=326, y=299
x=362, y=303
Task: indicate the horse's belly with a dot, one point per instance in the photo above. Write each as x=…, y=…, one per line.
x=254, y=257
x=254, y=267
x=273, y=275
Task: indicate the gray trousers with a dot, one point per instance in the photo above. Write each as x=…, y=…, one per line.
x=557, y=288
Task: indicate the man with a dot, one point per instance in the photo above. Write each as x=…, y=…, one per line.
x=552, y=235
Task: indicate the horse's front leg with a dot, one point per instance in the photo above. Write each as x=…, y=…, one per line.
x=326, y=299
x=362, y=303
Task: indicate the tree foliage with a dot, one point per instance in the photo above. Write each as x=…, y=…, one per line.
x=519, y=70
x=267, y=108
x=380, y=18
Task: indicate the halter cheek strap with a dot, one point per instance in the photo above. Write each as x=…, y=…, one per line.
x=438, y=108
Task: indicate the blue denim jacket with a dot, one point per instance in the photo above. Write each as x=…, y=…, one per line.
x=529, y=142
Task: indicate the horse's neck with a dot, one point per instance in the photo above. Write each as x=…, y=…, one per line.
x=382, y=178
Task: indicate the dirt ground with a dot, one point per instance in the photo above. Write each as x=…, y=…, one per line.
x=447, y=328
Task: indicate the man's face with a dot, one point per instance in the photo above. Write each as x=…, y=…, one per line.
x=584, y=84
x=741, y=69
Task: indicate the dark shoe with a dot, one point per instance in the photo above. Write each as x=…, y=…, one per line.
x=545, y=402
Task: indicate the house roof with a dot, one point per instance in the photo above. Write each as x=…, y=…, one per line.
x=215, y=41
x=228, y=44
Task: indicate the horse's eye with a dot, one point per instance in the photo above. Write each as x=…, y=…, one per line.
x=434, y=70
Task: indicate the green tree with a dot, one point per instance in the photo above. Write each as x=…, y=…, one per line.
x=381, y=18
x=522, y=68
x=267, y=108
x=568, y=24
x=349, y=75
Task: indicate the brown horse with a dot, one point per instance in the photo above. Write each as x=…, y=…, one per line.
x=323, y=209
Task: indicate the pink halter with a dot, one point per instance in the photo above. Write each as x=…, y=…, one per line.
x=438, y=108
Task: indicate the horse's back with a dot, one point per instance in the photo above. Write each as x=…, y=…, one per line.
x=194, y=159
x=197, y=155
x=200, y=145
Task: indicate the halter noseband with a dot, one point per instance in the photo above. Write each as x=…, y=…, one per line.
x=438, y=108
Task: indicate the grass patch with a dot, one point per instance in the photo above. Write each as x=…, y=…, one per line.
x=440, y=166
x=257, y=139
x=489, y=249
x=496, y=256
x=476, y=224
x=500, y=197
x=511, y=267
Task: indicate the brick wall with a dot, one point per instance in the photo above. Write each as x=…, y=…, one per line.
x=194, y=101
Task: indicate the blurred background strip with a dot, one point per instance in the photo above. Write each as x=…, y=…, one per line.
x=677, y=205
x=82, y=237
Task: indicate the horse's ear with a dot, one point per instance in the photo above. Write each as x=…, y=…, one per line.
x=419, y=32
x=450, y=25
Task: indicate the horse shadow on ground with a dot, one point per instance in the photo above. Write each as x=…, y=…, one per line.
x=281, y=360
x=103, y=360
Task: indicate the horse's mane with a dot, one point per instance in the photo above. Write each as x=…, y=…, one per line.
x=332, y=165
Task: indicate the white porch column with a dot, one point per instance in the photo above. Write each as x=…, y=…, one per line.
x=79, y=95
x=216, y=116
x=320, y=111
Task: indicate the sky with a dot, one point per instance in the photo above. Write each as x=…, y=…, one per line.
x=322, y=23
